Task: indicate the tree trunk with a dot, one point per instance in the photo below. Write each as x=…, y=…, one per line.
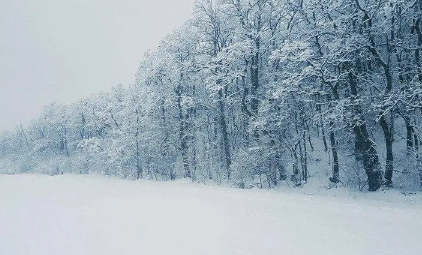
x=364, y=146
x=336, y=171
x=138, y=154
x=304, y=159
x=324, y=139
x=224, y=132
x=388, y=136
x=409, y=135
x=296, y=174
x=182, y=134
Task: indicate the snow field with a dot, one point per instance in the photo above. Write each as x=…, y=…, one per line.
x=90, y=215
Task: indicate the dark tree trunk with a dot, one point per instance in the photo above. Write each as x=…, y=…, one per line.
x=324, y=139
x=310, y=141
x=182, y=134
x=304, y=159
x=366, y=152
x=364, y=146
x=387, y=128
x=193, y=114
x=296, y=174
x=336, y=171
x=255, y=83
x=255, y=68
x=279, y=166
x=388, y=136
x=409, y=137
x=224, y=132
x=138, y=153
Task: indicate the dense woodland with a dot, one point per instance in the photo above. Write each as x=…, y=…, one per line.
x=252, y=92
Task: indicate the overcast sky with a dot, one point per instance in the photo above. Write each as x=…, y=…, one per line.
x=64, y=50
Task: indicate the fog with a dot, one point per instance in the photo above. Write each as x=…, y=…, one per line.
x=65, y=50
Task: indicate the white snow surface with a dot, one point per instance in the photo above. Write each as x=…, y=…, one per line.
x=90, y=215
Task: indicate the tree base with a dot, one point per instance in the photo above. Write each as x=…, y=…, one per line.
x=388, y=183
x=334, y=180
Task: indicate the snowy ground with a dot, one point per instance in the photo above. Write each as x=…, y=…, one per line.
x=90, y=215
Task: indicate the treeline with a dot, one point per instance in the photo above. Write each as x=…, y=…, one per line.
x=251, y=90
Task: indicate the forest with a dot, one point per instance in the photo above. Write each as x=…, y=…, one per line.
x=252, y=93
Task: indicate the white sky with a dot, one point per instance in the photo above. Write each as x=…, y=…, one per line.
x=63, y=50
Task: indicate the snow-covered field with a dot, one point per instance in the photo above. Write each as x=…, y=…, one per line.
x=90, y=215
